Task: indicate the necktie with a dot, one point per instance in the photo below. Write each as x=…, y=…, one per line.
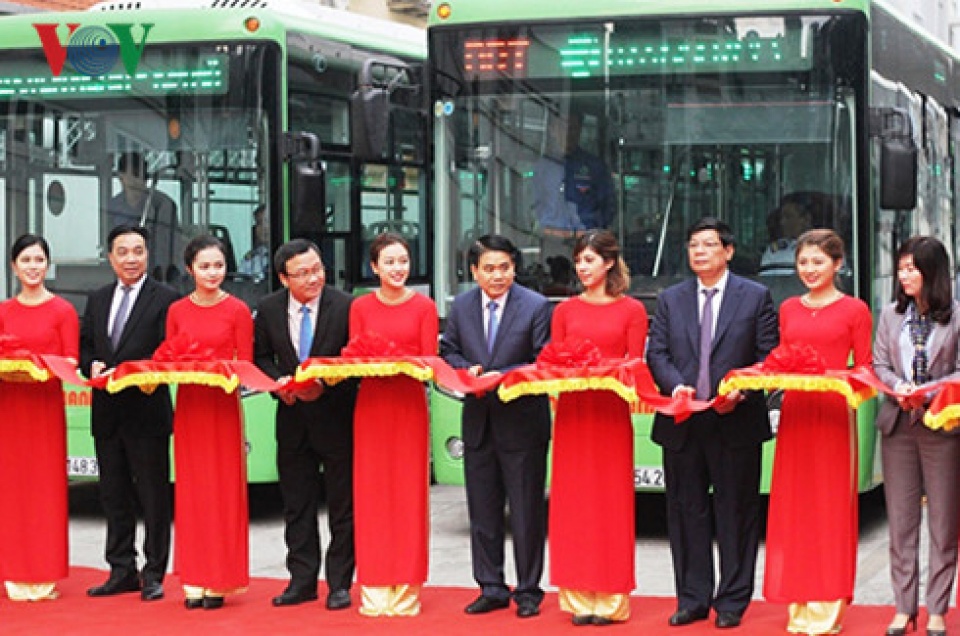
x=120, y=320
x=920, y=328
x=493, y=323
x=706, y=343
x=306, y=333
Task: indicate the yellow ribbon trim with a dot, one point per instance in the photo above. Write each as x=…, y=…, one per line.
x=789, y=382
x=34, y=372
x=148, y=380
x=947, y=419
x=562, y=385
x=363, y=370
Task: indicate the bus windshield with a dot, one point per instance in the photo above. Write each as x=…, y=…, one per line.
x=643, y=126
x=180, y=147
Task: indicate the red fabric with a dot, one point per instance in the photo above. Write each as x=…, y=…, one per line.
x=811, y=550
x=33, y=449
x=591, y=491
x=391, y=463
x=211, y=516
x=251, y=615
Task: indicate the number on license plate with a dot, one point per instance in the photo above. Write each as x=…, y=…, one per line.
x=82, y=467
x=647, y=477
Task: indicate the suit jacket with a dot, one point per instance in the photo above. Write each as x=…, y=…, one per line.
x=275, y=355
x=140, y=414
x=524, y=329
x=943, y=360
x=746, y=331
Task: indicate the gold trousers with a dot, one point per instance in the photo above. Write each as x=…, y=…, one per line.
x=816, y=617
x=195, y=592
x=389, y=600
x=614, y=607
x=31, y=591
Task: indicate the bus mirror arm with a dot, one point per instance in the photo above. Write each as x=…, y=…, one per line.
x=300, y=146
x=898, y=158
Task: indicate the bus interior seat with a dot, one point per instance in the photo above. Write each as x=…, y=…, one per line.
x=222, y=233
x=409, y=230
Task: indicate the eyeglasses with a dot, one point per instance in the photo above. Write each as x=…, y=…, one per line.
x=707, y=245
x=304, y=274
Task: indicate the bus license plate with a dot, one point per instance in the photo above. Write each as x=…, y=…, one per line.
x=82, y=467
x=647, y=477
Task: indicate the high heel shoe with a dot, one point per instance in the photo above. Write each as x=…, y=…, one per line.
x=941, y=631
x=909, y=626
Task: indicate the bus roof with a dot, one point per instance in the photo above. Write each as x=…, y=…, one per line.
x=174, y=21
x=472, y=11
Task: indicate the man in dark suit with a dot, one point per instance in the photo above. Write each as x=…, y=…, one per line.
x=123, y=321
x=314, y=425
x=490, y=329
x=702, y=329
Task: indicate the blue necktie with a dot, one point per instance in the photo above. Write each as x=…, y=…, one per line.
x=306, y=333
x=120, y=320
x=706, y=344
x=492, y=324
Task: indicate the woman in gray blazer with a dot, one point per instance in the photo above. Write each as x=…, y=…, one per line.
x=916, y=343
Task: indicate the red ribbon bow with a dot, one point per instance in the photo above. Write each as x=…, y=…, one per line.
x=182, y=348
x=373, y=345
x=794, y=358
x=571, y=355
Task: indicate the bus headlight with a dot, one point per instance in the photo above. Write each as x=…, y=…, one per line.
x=454, y=448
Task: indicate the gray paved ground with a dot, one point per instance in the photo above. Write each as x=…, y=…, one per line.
x=449, y=548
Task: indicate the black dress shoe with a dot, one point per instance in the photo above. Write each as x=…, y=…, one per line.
x=601, y=621
x=910, y=626
x=152, y=591
x=485, y=604
x=338, y=600
x=294, y=596
x=212, y=602
x=685, y=617
x=727, y=619
x=527, y=608
x=116, y=585
x=193, y=603
x=583, y=619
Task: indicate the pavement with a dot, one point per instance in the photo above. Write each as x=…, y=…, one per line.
x=450, y=542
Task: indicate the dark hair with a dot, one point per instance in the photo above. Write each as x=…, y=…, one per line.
x=29, y=240
x=827, y=240
x=710, y=223
x=604, y=243
x=492, y=243
x=930, y=257
x=290, y=249
x=127, y=229
x=384, y=240
x=133, y=163
x=200, y=243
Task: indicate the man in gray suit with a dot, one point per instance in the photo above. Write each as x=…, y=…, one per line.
x=490, y=329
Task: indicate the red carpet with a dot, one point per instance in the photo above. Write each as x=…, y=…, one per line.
x=251, y=613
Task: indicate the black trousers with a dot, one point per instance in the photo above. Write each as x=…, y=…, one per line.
x=133, y=468
x=695, y=518
x=495, y=477
x=301, y=486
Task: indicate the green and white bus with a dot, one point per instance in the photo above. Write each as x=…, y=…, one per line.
x=261, y=121
x=729, y=108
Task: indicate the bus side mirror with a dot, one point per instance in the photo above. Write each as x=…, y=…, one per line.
x=307, y=183
x=308, y=197
x=898, y=174
x=898, y=158
x=385, y=111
